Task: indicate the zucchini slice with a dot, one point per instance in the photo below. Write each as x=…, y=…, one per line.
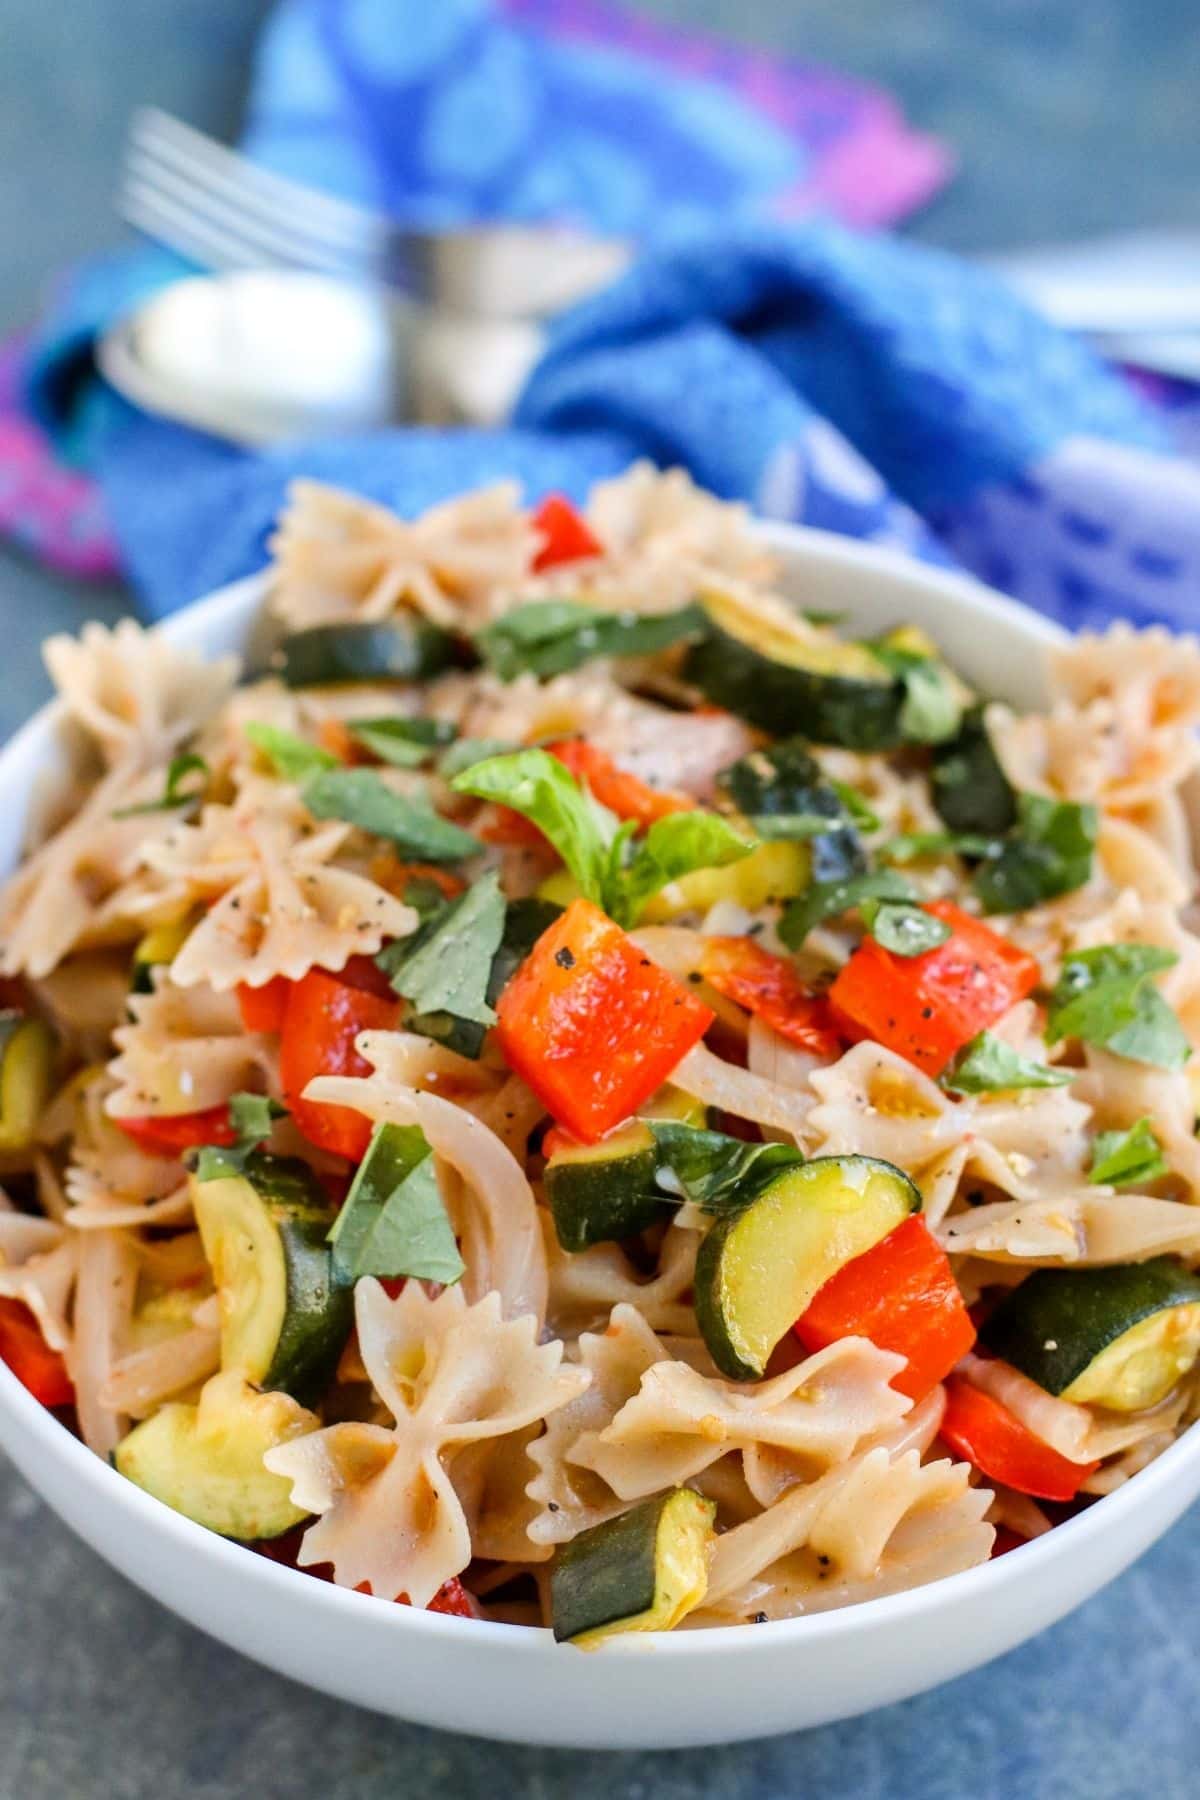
x=284, y=1320
x=970, y=789
x=791, y=679
x=603, y=1192
x=156, y=950
x=778, y=870
x=26, y=1073
x=407, y=648
x=759, y=1268
x=1119, y=1337
x=643, y=1571
x=206, y=1461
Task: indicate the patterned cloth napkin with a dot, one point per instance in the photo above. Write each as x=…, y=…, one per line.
x=840, y=379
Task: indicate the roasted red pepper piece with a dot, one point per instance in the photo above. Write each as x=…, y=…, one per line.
x=978, y=1428
x=35, y=1365
x=325, y=1014
x=902, y=1295
x=769, y=987
x=592, y=1025
x=927, y=1007
x=262, y=1008
x=170, y=1134
x=565, y=534
x=624, y=794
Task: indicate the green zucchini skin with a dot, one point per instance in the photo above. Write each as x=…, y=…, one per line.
x=607, y=1192
x=640, y=1571
x=970, y=789
x=777, y=1276
x=784, y=779
x=1058, y=1321
x=280, y=1201
x=405, y=649
x=787, y=700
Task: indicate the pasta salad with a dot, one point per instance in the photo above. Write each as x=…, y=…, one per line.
x=576, y=1093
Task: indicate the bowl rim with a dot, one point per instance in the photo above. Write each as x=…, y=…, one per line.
x=1032, y=1560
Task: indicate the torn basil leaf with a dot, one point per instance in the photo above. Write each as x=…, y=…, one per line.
x=551, y=637
x=988, y=1065
x=444, y=969
x=902, y=927
x=466, y=752
x=252, y=1117
x=405, y=743
x=673, y=847
x=1049, y=852
x=782, y=791
x=360, y=797
x=1107, y=997
x=720, y=1174
x=910, y=846
x=394, y=1221
x=970, y=789
x=174, y=794
x=1127, y=1158
x=290, y=756
x=828, y=900
x=932, y=707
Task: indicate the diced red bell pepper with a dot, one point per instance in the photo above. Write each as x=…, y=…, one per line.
x=565, y=534
x=769, y=987
x=592, y=1025
x=35, y=1365
x=902, y=1295
x=336, y=739
x=262, y=1008
x=927, y=1007
x=512, y=830
x=452, y=1597
x=624, y=794
x=324, y=1015
x=170, y=1134
x=977, y=1427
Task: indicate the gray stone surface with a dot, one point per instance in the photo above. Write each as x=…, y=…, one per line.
x=1067, y=117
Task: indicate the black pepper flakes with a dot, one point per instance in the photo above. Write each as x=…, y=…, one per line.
x=565, y=958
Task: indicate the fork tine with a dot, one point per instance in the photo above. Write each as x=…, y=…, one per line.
x=258, y=240
x=311, y=214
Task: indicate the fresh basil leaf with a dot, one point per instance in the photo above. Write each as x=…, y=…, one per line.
x=970, y=789
x=1048, y=853
x=855, y=806
x=445, y=968
x=902, y=927
x=909, y=846
x=1127, y=1158
x=551, y=637
x=524, y=922
x=1106, y=997
x=360, y=797
x=785, y=796
x=829, y=899
x=468, y=751
x=394, y=1220
x=932, y=708
x=673, y=847
x=540, y=788
x=252, y=1117
x=405, y=743
x=814, y=615
x=292, y=757
x=720, y=1174
x=173, y=795
x=989, y=1065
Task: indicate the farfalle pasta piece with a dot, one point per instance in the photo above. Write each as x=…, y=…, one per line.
x=450, y=1375
x=1080, y=1433
x=586, y=1284
x=339, y=557
x=284, y=905
x=137, y=695
x=873, y=1102
x=1088, y=1229
x=681, y=1421
x=186, y=1050
x=877, y=1524
x=38, y=1264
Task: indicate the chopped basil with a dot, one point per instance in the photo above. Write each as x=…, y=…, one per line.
x=1049, y=852
x=784, y=794
x=1106, y=997
x=292, y=757
x=360, y=797
x=902, y=927
x=174, y=795
x=467, y=752
x=909, y=846
x=932, y=708
x=717, y=1173
x=857, y=810
x=1123, y=1158
x=970, y=789
x=443, y=971
x=598, y=852
x=829, y=899
x=989, y=1065
x=551, y=637
x=252, y=1116
x=394, y=1221
x=405, y=743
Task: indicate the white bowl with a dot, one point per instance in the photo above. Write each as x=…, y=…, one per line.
x=652, y=1692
